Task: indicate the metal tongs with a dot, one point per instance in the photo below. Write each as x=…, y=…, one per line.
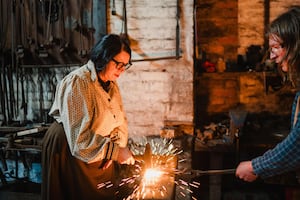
x=212, y=172
x=195, y=172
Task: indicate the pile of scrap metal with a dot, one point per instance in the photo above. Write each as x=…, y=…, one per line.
x=214, y=134
x=19, y=145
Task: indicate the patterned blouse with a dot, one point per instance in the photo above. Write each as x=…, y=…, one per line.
x=93, y=119
x=285, y=156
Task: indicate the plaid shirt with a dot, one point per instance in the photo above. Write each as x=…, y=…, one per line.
x=285, y=156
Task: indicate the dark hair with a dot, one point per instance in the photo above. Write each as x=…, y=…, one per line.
x=287, y=27
x=106, y=48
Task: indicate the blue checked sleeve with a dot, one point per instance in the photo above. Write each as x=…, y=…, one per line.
x=284, y=157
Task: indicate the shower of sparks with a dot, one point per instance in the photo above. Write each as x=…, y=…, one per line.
x=153, y=182
x=152, y=175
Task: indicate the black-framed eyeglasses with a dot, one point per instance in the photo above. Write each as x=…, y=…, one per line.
x=275, y=49
x=120, y=65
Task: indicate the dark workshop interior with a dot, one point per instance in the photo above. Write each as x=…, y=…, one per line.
x=200, y=79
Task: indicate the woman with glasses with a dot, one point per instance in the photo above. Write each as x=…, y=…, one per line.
x=284, y=43
x=86, y=147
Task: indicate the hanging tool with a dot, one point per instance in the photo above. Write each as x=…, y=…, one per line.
x=198, y=52
x=52, y=81
x=20, y=49
x=4, y=99
x=52, y=15
x=12, y=67
x=49, y=38
x=3, y=30
x=41, y=92
x=41, y=49
x=35, y=25
x=177, y=31
x=34, y=20
x=29, y=38
x=20, y=37
x=124, y=31
x=24, y=103
x=90, y=26
x=63, y=41
x=82, y=52
x=113, y=9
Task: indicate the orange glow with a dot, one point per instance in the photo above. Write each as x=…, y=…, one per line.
x=152, y=176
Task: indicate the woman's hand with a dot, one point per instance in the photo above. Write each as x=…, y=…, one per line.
x=125, y=156
x=245, y=171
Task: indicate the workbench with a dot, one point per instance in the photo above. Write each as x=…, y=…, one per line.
x=20, y=149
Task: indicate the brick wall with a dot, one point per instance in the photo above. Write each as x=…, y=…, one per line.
x=251, y=20
x=255, y=92
x=158, y=87
x=217, y=29
x=227, y=28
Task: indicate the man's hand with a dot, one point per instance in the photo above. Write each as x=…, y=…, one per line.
x=245, y=171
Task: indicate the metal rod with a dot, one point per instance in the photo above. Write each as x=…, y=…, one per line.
x=213, y=172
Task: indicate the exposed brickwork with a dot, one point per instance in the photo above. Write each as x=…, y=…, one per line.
x=217, y=93
x=217, y=28
x=227, y=28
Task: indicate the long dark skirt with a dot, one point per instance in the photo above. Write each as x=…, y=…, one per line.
x=65, y=177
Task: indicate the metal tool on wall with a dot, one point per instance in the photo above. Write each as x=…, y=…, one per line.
x=90, y=26
x=48, y=38
x=41, y=49
x=52, y=15
x=64, y=44
x=52, y=82
x=23, y=99
x=11, y=67
x=4, y=99
x=177, y=31
x=22, y=48
x=20, y=29
x=124, y=30
x=35, y=25
x=41, y=95
x=113, y=9
x=82, y=51
x=3, y=29
x=32, y=34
